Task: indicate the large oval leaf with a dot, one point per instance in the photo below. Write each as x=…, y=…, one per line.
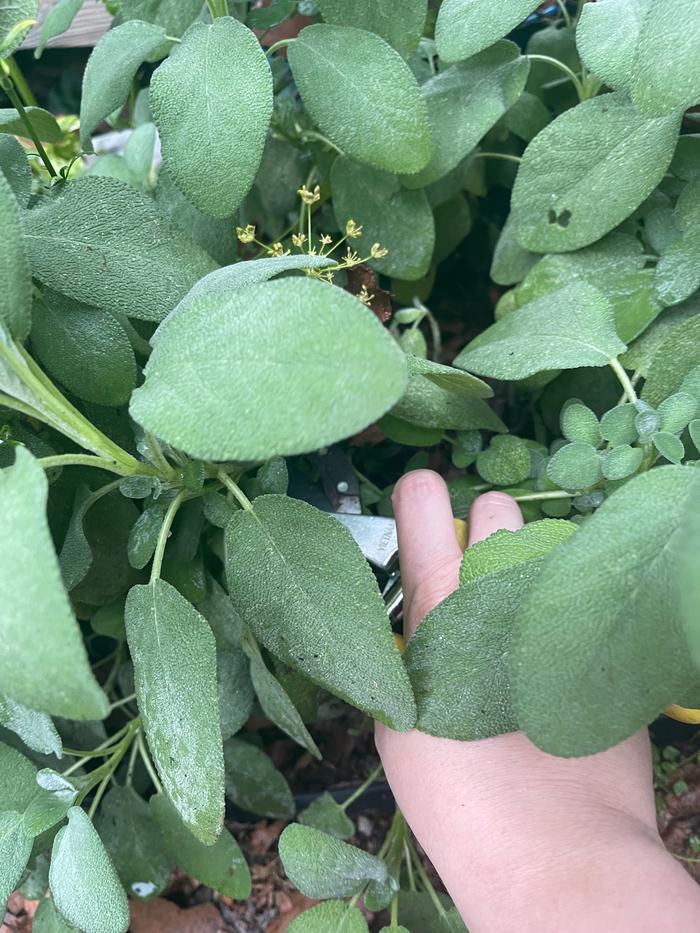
x=301, y=583
x=15, y=167
x=12, y=13
x=84, y=884
x=279, y=368
x=401, y=30
x=15, y=275
x=254, y=784
x=567, y=328
x=465, y=27
x=174, y=655
x=564, y=199
x=398, y=219
x=331, y=915
x=212, y=102
x=37, y=628
x=600, y=636
x=363, y=95
x=15, y=849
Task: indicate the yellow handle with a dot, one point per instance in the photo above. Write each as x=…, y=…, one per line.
x=683, y=714
x=462, y=529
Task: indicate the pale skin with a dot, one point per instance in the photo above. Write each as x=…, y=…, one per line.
x=524, y=841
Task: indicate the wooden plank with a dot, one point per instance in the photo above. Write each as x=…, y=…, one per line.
x=89, y=25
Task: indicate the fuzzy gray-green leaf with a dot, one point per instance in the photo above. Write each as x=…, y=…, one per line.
x=254, y=784
x=15, y=274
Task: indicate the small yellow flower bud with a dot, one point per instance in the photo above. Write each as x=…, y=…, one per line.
x=247, y=234
x=351, y=258
x=365, y=296
x=378, y=252
x=276, y=250
x=298, y=239
x=309, y=197
x=325, y=239
x=352, y=230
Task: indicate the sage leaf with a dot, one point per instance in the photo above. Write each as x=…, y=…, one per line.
x=37, y=625
x=43, y=123
x=418, y=909
x=449, y=378
x=622, y=657
x=323, y=867
x=15, y=849
x=402, y=32
x=687, y=576
x=17, y=779
x=274, y=699
x=563, y=200
x=505, y=462
x=465, y=27
x=110, y=70
x=48, y=920
x=36, y=729
x=465, y=101
x=174, y=16
x=51, y=802
x=457, y=660
x=281, y=577
x=511, y=262
x=221, y=282
x=621, y=462
x=617, y=426
x=84, y=883
x=575, y=466
x=289, y=393
x=174, y=657
x=677, y=276
x=677, y=354
x=106, y=244
x=134, y=842
x=399, y=220
x=325, y=814
x=254, y=784
x=504, y=549
x=330, y=915
x=363, y=96
x=191, y=99
x=12, y=14
x=670, y=446
x=607, y=36
x=57, y=21
x=571, y=327
x=430, y=405
x=221, y=866
x=15, y=167
x=15, y=274
x=85, y=349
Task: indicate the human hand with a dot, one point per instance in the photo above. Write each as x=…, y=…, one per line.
x=523, y=840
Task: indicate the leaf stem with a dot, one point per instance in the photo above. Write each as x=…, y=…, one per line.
x=498, y=155
x=555, y=63
x=371, y=778
x=276, y=46
x=625, y=380
x=394, y=912
x=312, y=134
x=217, y=8
x=164, y=533
x=409, y=866
x=146, y=758
x=541, y=496
x=23, y=89
x=564, y=12
x=123, y=702
x=100, y=463
x=132, y=763
x=7, y=84
x=427, y=883
x=236, y=491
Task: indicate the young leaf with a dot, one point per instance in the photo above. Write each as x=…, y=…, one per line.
x=106, y=244
x=85, y=349
x=670, y=446
x=110, y=70
x=274, y=700
x=58, y=20
x=15, y=274
x=134, y=842
x=465, y=101
x=617, y=426
x=254, y=784
x=621, y=658
x=14, y=165
x=622, y=461
x=677, y=354
x=325, y=814
x=174, y=657
x=430, y=405
x=511, y=262
x=221, y=866
x=292, y=391
x=418, y=910
x=144, y=534
x=363, y=96
x=460, y=673
x=580, y=423
x=12, y=13
x=191, y=99
x=37, y=625
x=402, y=31
x=504, y=549
x=302, y=585
x=15, y=849
x=563, y=200
x=36, y=730
x=465, y=27
x=51, y=802
x=571, y=327
x=447, y=377
x=330, y=915
x=84, y=883
x=399, y=220
x=323, y=867
x=43, y=123
x=576, y=466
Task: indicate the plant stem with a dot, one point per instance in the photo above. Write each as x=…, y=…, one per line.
x=555, y=63
x=236, y=491
x=564, y=12
x=101, y=749
x=100, y=463
x=276, y=46
x=312, y=134
x=498, y=155
x=346, y=804
x=427, y=883
x=625, y=380
x=395, y=912
x=132, y=763
x=409, y=866
x=541, y=496
x=217, y=8
x=164, y=532
x=23, y=89
x=122, y=702
x=146, y=758
x=8, y=87
x=158, y=456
